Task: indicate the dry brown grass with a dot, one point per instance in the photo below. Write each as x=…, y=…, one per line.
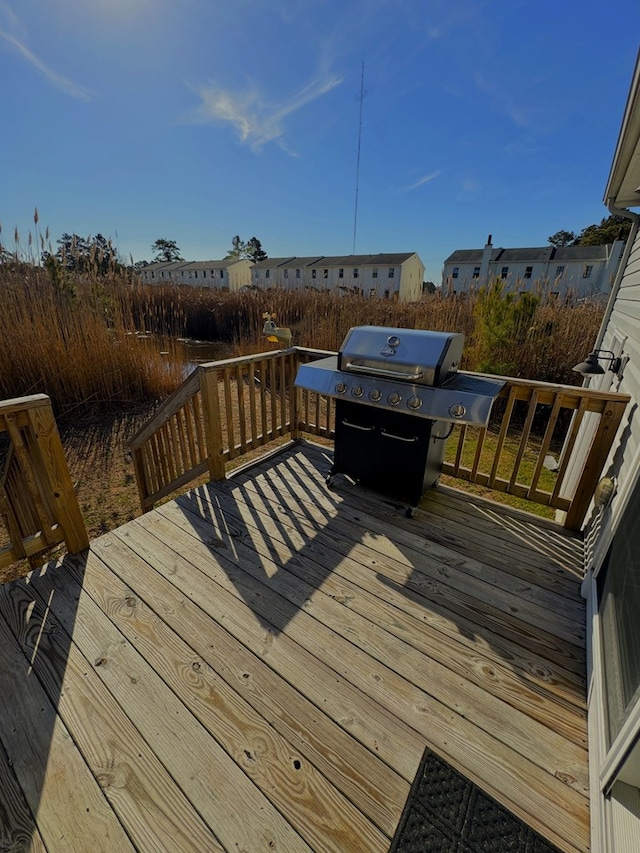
x=557, y=334
x=76, y=340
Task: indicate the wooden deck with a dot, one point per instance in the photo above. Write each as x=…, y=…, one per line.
x=260, y=664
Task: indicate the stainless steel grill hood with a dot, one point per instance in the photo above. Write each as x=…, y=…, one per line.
x=409, y=355
x=404, y=370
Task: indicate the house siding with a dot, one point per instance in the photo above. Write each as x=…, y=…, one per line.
x=624, y=323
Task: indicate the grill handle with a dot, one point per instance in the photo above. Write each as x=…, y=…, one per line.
x=386, y=434
x=357, y=426
x=374, y=371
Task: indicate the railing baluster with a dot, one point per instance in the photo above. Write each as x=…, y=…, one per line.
x=524, y=439
x=274, y=399
x=263, y=400
x=187, y=414
x=460, y=449
x=212, y=424
x=283, y=395
x=253, y=414
x=506, y=420
x=228, y=409
x=198, y=421
x=241, y=413
x=546, y=444
x=478, y=454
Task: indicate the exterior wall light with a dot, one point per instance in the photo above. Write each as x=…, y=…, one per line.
x=591, y=365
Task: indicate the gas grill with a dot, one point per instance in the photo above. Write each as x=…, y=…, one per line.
x=398, y=396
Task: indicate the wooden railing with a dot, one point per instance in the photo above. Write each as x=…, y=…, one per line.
x=37, y=500
x=226, y=409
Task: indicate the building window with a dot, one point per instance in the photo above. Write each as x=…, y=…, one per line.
x=559, y=271
x=325, y=273
x=341, y=273
x=386, y=294
x=297, y=273
x=153, y=275
x=221, y=273
x=181, y=273
x=588, y=269
x=454, y=274
x=212, y=273
x=355, y=272
x=372, y=292
x=505, y=272
x=268, y=274
x=286, y=273
x=476, y=272
x=195, y=273
x=314, y=273
x=374, y=274
x=528, y=272
x=392, y=272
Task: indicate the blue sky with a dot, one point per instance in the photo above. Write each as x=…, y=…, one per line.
x=195, y=120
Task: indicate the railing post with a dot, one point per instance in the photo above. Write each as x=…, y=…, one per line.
x=295, y=396
x=212, y=423
x=63, y=495
x=144, y=489
x=602, y=442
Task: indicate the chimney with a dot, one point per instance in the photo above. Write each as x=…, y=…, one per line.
x=486, y=260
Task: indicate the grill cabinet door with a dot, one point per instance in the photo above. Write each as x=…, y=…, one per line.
x=394, y=453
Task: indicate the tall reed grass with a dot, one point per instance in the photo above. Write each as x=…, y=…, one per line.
x=75, y=339
x=84, y=339
x=535, y=338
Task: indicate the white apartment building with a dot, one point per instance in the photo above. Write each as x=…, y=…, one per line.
x=228, y=274
x=582, y=270
x=384, y=276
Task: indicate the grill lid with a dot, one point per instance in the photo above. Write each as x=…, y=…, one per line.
x=410, y=355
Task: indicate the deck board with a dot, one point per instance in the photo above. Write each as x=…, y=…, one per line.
x=260, y=664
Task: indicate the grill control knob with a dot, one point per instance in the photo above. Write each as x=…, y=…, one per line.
x=357, y=391
x=375, y=396
x=414, y=402
x=457, y=410
x=394, y=399
x=341, y=387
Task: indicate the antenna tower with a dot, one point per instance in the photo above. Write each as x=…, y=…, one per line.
x=355, y=210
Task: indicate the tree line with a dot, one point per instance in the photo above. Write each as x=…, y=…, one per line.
x=611, y=228
x=251, y=250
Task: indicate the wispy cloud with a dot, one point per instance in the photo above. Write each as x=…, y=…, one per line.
x=424, y=180
x=470, y=185
x=256, y=120
x=519, y=113
x=57, y=80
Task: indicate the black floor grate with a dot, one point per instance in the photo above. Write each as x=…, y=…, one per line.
x=447, y=813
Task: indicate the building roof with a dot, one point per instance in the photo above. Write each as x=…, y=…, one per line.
x=192, y=265
x=539, y=254
x=382, y=259
x=225, y=263
x=470, y=256
x=271, y=263
x=623, y=186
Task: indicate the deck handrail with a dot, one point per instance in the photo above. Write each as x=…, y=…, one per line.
x=226, y=409
x=37, y=500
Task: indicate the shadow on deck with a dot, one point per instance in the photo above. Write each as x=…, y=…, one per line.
x=259, y=665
